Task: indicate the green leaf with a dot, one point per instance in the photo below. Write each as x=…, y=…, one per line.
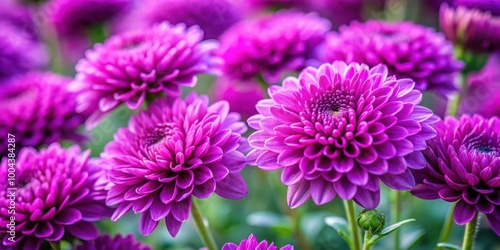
x=388, y=230
x=340, y=225
x=449, y=246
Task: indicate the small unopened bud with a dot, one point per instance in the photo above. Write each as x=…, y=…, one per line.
x=371, y=220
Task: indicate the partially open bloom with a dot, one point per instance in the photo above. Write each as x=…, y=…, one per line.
x=271, y=45
x=60, y=192
x=483, y=90
x=252, y=244
x=463, y=166
x=171, y=152
x=471, y=28
x=407, y=49
x=38, y=109
x=341, y=129
x=133, y=65
x=213, y=17
x=105, y=242
x=242, y=96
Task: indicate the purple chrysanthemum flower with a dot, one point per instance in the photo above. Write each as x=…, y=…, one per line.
x=471, y=28
x=407, y=49
x=213, y=17
x=38, y=109
x=483, y=90
x=463, y=166
x=71, y=17
x=241, y=96
x=133, y=65
x=118, y=242
x=171, y=152
x=339, y=130
x=60, y=192
x=252, y=244
x=271, y=45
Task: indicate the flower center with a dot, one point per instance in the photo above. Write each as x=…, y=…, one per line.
x=159, y=134
x=330, y=107
x=483, y=146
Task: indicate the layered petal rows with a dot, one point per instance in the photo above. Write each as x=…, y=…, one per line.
x=174, y=151
x=253, y=244
x=130, y=66
x=463, y=166
x=407, y=49
x=39, y=109
x=271, y=45
x=339, y=129
x=60, y=192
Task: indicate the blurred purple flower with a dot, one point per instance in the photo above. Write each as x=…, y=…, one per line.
x=20, y=48
x=171, y=152
x=339, y=130
x=492, y=6
x=241, y=96
x=38, y=109
x=471, y=28
x=132, y=66
x=213, y=17
x=407, y=49
x=271, y=45
x=252, y=244
x=71, y=17
x=338, y=11
x=483, y=91
x=105, y=242
x=463, y=166
x=59, y=193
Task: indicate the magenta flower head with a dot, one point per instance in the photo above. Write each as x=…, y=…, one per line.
x=60, y=192
x=252, y=244
x=38, y=109
x=174, y=150
x=271, y=45
x=483, y=91
x=472, y=28
x=133, y=65
x=463, y=166
x=339, y=129
x=242, y=96
x=71, y=17
x=213, y=17
x=105, y=242
x=407, y=49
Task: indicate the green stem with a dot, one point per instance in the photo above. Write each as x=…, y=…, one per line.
x=470, y=233
x=396, y=214
x=202, y=226
x=351, y=219
x=366, y=242
x=55, y=245
x=447, y=226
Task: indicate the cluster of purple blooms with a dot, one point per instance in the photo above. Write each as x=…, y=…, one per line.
x=336, y=111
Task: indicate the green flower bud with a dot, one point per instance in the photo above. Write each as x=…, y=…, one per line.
x=371, y=220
